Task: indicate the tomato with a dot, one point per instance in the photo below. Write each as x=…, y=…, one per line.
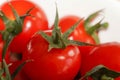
x=85, y=50
x=11, y=59
x=56, y=64
x=21, y=76
x=14, y=65
x=1, y=47
x=107, y=54
x=79, y=33
x=31, y=24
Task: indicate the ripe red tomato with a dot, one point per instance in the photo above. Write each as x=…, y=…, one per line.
x=56, y=64
x=31, y=24
x=11, y=59
x=84, y=51
x=79, y=33
x=106, y=54
x=21, y=76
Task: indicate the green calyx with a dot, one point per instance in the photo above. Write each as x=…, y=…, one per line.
x=94, y=29
x=59, y=39
x=12, y=27
x=101, y=72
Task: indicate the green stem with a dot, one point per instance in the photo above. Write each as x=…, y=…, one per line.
x=97, y=27
x=5, y=47
x=91, y=18
x=8, y=76
x=104, y=77
x=17, y=70
x=94, y=29
x=4, y=18
x=55, y=32
x=18, y=20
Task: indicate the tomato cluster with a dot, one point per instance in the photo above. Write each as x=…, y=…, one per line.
x=68, y=50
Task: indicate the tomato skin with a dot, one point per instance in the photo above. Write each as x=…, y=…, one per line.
x=84, y=51
x=31, y=24
x=107, y=54
x=21, y=76
x=79, y=33
x=57, y=64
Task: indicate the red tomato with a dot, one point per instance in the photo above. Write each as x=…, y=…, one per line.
x=11, y=59
x=56, y=64
x=85, y=50
x=106, y=54
x=31, y=24
x=21, y=76
x=79, y=33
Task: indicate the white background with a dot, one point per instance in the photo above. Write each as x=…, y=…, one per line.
x=83, y=8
